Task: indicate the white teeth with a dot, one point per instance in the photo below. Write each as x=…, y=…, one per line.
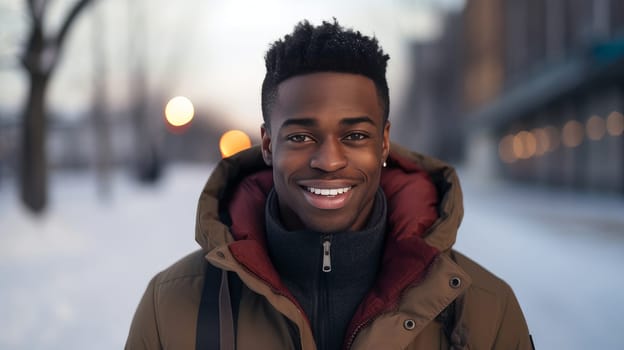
x=328, y=192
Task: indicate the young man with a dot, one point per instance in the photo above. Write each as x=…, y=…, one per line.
x=327, y=236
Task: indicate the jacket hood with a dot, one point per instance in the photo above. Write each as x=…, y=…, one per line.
x=424, y=213
x=213, y=222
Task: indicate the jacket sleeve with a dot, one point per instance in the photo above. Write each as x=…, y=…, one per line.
x=513, y=332
x=144, y=328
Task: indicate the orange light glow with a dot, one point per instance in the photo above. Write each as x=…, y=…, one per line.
x=179, y=111
x=543, y=143
x=506, y=149
x=596, y=128
x=233, y=142
x=572, y=134
x=524, y=145
x=554, y=141
x=615, y=124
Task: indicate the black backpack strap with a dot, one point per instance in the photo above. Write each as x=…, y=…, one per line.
x=207, y=332
x=208, y=321
x=235, y=295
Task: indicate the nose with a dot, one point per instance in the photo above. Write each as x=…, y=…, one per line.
x=329, y=156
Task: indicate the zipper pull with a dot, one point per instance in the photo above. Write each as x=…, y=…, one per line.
x=326, y=256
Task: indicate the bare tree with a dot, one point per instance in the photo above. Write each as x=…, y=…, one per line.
x=40, y=58
x=99, y=112
x=147, y=158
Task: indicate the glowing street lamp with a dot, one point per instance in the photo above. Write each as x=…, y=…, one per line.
x=179, y=112
x=233, y=142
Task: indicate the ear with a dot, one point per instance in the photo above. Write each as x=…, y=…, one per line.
x=385, y=143
x=267, y=154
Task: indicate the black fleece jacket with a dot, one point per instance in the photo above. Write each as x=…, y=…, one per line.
x=330, y=298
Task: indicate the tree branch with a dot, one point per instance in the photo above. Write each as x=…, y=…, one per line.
x=34, y=47
x=36, y=8
x=69, y=20
x=32, y=9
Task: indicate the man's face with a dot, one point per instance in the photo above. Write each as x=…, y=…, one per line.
x=327, y=143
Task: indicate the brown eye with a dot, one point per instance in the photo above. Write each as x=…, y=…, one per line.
x=299, y=138
x=356, y=136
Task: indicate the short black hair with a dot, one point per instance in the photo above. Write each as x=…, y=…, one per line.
x=328, y=47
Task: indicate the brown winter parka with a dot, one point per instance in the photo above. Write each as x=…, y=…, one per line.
x=427, y=296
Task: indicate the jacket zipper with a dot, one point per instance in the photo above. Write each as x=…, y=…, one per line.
x=326, y=256
x=323, y=298
x=356, y=331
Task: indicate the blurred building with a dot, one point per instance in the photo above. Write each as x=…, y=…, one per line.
x=539, y=86
x=427, y=120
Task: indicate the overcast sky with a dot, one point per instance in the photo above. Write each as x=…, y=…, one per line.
x=209, y=51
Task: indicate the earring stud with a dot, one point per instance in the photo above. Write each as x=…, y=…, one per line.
x=384, y=164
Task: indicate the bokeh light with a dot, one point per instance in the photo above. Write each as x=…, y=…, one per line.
x=554, y=139
x=572, y=134
x=596, y=128
x=524, y=145
x=505, y=149
x=615, y=124
x=232, y=142
x=543, y=142
x=179, y=111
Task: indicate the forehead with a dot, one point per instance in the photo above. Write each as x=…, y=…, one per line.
x=327, y=95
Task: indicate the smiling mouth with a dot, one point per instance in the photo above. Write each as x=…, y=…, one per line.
x=331, y=192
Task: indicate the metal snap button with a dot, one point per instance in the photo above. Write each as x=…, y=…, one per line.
x=455, y=282
x=409, y=324
x=220, y=254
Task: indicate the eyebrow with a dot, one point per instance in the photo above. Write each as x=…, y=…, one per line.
x=299, y=122
x=312, y=122
x=357, y=120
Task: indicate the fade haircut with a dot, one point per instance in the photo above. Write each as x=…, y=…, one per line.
x=325, y=48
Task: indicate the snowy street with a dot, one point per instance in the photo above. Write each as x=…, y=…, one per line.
x=72, y=278
x=562, y=254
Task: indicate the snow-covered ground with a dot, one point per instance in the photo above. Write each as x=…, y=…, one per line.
x=72, y=278
x=562, y=252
